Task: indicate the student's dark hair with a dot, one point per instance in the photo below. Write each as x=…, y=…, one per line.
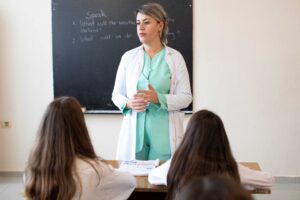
x=214, y=187
x=61, y=138
x=157, y=12
x=204, y=150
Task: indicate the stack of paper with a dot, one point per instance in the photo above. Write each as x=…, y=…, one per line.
x=138, y=167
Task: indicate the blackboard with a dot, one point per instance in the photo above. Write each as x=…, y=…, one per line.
x=89, y=38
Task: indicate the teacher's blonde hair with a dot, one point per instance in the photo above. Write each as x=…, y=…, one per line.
x=156, y=11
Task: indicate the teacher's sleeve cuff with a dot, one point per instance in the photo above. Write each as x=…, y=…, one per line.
x=162, y=100
x=125, y=110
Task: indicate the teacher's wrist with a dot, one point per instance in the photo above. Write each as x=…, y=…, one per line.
x=128, y=104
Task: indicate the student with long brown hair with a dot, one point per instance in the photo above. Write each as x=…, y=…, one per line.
x=63, y=164
x=213, y=187
x=205, y=150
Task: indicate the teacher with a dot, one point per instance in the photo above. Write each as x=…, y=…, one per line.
x=152, y=85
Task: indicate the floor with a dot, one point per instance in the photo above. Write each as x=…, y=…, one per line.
x=11, y=189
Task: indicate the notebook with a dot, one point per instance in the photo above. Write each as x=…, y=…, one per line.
x=138, y=167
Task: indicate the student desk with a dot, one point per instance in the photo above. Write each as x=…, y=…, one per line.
x=144, y=190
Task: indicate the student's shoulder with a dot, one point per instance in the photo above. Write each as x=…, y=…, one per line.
x=86, y=165
x=100, y=168
x=116, y=177
x=103, y=168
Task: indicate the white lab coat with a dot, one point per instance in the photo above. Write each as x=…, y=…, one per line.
x=125, y=87
x=112, y=185
x=250, y=179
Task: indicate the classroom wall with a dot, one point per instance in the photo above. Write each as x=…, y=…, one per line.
x=246, y=69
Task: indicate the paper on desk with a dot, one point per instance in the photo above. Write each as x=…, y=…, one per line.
x=138, y=167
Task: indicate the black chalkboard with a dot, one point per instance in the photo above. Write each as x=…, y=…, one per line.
x=89, y=38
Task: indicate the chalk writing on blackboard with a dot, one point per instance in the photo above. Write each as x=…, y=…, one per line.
x=95, y=26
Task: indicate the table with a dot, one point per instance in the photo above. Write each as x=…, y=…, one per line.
x=144, y=190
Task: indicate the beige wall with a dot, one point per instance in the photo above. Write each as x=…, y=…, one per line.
x=246, y=68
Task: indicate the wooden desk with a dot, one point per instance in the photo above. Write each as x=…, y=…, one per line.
x=144, y=190
x=251, y=165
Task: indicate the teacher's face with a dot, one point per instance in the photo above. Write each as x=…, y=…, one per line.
x=148, y=29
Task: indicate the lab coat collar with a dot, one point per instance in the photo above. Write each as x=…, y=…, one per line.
x=169, y=51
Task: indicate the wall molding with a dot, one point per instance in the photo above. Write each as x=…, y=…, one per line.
x=11, y=173
x=287, y=179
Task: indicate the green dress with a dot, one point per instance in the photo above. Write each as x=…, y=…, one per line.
x=152, y=135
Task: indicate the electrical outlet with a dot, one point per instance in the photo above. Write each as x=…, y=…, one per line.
x=5, y=124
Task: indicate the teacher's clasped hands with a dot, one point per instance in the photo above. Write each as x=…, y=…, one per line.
x=151, y=87
x=142, y=99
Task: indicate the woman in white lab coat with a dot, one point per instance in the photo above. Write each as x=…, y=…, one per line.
x=151, y=86
x=63, y=164
x=205, y=150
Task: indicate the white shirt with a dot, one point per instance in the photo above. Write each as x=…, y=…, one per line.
x=112, y=185
x=250, y=179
